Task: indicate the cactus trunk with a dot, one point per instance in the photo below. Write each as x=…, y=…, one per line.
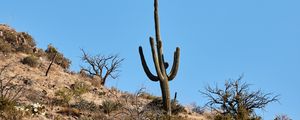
x=164, y=85
x=160, y=64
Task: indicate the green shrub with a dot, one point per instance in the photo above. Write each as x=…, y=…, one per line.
x=176, y=107
x=9, y=94
x=157, y=104
x=85, y=105
x=109, y=106
x=79, y=88
x=32, y=61
x=59, y=59
x=65, y=95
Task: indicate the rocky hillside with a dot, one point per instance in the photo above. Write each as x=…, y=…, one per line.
x=27, y=93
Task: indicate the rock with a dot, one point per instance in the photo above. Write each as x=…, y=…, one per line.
x=28, y=82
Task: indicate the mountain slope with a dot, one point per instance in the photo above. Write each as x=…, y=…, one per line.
x=64, y=94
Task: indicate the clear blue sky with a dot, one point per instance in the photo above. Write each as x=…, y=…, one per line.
x=218, y=39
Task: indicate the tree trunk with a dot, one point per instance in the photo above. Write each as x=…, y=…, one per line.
x=53, y=59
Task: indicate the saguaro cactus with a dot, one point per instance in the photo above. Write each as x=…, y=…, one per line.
x=160, y=64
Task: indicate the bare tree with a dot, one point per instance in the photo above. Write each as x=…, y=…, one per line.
x=102, y=66
x=235, y=101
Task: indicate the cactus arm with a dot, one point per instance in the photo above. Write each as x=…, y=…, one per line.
x=145, y=67
x=175, y=65
x=155, y=59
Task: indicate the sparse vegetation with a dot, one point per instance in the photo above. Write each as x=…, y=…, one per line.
x=30, y=42
x=51, y=51
x=12, y=41
x=109, y=106
x=9, y=94
x=65, y=95
x=79, y=88
x=236, y=101
x=197, y=109
x=5, y=47
x=31, y=60
x=85, y=105
x=70, y=112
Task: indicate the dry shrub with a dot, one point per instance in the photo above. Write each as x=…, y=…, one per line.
x=9, y=94
x=28, y=38
x=70, y=112
x=25, y=49
x=31, y=60
x=12, y=114
x=59, y=59
x=10, y=36
x=148, y=96
x=5, y=47
x=79, y=88
x=157, y=105
x=65, y=96
x=85, y=105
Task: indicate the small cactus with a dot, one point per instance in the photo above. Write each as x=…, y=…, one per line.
x=160, y=64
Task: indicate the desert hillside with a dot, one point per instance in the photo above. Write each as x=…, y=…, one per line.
x=63, y=94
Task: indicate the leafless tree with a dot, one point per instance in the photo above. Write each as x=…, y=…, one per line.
x=102, y=66
x=236, y=101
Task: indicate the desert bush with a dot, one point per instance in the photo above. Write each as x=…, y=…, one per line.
x=5, y=47
x=70, y=112
x=109, y=106
x=85, y=105
x=10, y=37
x=236, y=101
x=79, y=88
x=65, y=95
x=12, y=114
x=25, y=49
x=148, y=96
x=30, y=42
x=31, y=60
x=59, y=59
x=157, y=104
x=9, y=94
x=223, y=117
x=176, y=107
x=197, y=109
x=40, y=53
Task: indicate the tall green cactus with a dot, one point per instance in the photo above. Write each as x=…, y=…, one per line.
x=160, y=64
